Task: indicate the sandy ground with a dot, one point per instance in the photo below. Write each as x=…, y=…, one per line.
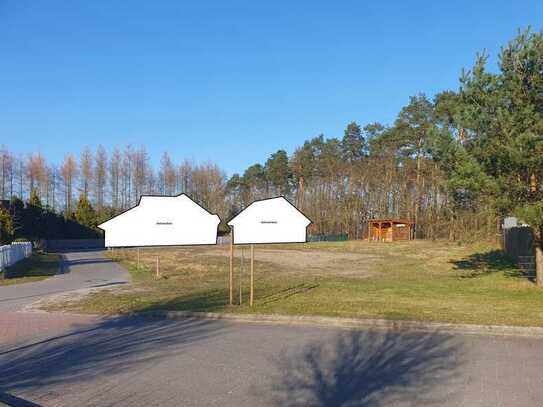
x=316, y=262
x=65, y=298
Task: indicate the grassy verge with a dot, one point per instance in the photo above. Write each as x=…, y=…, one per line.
x=420, y=280
x=37, y=267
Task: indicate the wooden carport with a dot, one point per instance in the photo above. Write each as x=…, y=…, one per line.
x=390, y=230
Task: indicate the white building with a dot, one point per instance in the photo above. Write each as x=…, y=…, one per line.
x=273, y=220
x=162, y=221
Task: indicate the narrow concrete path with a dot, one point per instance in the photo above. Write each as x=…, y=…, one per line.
x=80, y=269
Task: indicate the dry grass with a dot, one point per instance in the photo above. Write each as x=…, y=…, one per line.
x=420, y=280
x=309, y=262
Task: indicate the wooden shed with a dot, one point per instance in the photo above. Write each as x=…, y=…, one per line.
x=390, y=230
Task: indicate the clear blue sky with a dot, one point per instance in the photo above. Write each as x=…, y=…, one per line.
x=229, y=81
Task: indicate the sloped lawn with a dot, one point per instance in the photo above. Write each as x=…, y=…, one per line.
x=418, y=280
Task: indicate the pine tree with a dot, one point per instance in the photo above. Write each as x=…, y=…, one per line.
x=84, y=212
x=353, y=144
x=6, y=226
x=278, y=171
x=16, y=207
x=503, y=117
x=414, y=126
x=254, y=178
x=33, y=217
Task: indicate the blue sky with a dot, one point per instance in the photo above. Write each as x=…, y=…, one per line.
x=229, y=81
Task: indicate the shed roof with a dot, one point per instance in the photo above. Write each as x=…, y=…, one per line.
x=391, y=220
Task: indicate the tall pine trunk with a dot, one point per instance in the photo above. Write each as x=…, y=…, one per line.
x=418, y=194
x=301, y=193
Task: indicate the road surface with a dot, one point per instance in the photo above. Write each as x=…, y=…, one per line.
x=80, y=269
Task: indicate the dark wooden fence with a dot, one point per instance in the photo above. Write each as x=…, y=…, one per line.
x=328, y=238
x=74, y=244
x=518, y=242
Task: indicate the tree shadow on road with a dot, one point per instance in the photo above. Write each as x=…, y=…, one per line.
x=368, y=369
x=107, y=348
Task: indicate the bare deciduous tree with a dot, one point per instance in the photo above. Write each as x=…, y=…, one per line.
x=69, y=172
x=100, y=170
x=85, y=165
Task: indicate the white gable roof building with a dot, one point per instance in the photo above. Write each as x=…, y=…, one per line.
x=162, y=221
x=273, y=220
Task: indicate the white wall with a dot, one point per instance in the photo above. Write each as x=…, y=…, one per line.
x=272, y=220
x=162, y=221
x=12, y=253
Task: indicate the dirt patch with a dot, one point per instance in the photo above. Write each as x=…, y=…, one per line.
x=315, y=262
x=56, y=301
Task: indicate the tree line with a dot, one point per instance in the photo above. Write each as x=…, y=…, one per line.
x=32, y=221
x=454, y=164
x=82, y=192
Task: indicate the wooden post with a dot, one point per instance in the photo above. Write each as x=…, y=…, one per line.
x=252, y=274
x=157, y=267
x=138, y=258
x=240, y=278
x=231, y=280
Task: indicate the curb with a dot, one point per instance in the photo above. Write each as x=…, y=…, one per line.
x=353, y=323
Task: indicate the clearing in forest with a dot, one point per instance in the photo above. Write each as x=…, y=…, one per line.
x=417, y=280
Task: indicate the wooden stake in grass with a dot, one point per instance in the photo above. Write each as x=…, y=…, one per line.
x=231, y=280
x=157, y=267
x=252, y=274
x=138, y=258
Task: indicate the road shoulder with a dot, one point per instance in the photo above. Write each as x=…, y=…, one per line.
x=354, y=324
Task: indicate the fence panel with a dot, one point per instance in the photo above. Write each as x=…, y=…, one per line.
x=518, y=242
x=61, y=244
x=12, y=253
x=328, y=238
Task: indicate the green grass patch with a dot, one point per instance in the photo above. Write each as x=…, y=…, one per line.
x=34, y=268
x=419, y=280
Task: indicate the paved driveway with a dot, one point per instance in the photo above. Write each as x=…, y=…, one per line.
x=80, y=269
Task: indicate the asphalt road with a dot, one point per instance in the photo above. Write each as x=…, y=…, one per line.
x=80, y=269
x=139, y=362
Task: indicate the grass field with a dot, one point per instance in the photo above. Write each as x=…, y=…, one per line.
x=37, y=267
x=419, y=280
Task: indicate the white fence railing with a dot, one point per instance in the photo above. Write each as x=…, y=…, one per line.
x=12, y=253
